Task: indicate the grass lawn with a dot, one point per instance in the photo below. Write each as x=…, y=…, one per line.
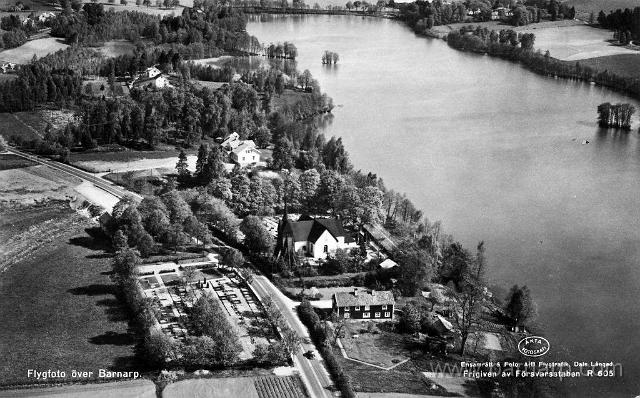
x=366, y=378
x=380, y=348
x=622, y=64
x=289, y=97
x=58, y=307
x=120, y=156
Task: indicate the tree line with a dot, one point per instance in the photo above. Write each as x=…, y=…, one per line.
x=625, y=22
x=423, y=15
x=482, y=41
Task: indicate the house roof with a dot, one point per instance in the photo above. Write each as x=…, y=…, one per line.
x=248, y=144
x=381, y=236
x=231, y=141
x=308, y=229
x=363, y=297
x=388, y=263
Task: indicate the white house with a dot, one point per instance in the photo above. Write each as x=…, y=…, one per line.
x=245, y=153
x=157, y=81
x=312, y=237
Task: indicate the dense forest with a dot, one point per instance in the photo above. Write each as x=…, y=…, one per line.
x=625, y=22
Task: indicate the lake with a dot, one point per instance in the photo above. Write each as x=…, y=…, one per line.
x=496, y=153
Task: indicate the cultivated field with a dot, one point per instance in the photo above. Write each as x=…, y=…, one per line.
x=40, y=47
x=58, y=307
x=624, y=64
x=245, y=387
x=140, y=388
x=24, y=183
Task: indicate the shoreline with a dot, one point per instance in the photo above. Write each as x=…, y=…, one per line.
x=553, y=67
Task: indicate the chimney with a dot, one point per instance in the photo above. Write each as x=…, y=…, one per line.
x=355, y=292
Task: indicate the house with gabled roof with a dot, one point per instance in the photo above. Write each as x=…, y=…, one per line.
x=311, y=237
x=245, y=154
x=364, y=304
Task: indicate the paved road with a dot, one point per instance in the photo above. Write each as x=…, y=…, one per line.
x=313, y=371
x=99, y=182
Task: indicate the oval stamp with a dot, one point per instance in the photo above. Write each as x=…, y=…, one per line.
x=534, y=346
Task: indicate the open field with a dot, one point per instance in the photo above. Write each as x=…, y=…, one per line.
x=13, y=124
x=30, y=184
x=10, y=161
x=116, y=48
x=245, y=387
x=38, y=47
x=117, y=162
x=125, y=389
x=623, y=64
x=579, y=42
x=58, y=305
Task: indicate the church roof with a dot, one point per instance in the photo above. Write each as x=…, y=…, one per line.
x=309, y=229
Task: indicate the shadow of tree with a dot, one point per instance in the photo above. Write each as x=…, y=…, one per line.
x=113, y=338
x=93, y=290
x=94, y=240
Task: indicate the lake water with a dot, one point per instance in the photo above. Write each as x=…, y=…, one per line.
x=497, y=154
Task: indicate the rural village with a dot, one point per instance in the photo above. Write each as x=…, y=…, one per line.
x=170, y=206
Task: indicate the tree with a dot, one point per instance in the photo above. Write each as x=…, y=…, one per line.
x=159, y=348
x=262, y=137
x=183, y=168
x=282, y=157
x=178, y=210
x=290, y=340
x=233, y=258
x=416, y=268
x=520, y=306
x=349, y=5
x=410, y=319
x=469, y=310
x=125, y=263
x=201, y=161
x=309, y=183
x=214, y=167
x=119, y=241
x=256, y=235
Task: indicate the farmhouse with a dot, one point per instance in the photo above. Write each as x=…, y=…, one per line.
x=157, y=81
x=241, y=152
x=363, y=304
x=311, y=237
x=245, y=154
